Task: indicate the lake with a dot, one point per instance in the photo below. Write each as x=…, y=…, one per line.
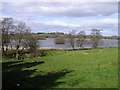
x=49, y=43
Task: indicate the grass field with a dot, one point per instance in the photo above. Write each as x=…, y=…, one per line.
x=96, y=68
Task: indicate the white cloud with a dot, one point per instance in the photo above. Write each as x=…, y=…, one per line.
x=107, y=26
x=60, y=0
x=80, y=16
x=61, y=9
x=100, y=22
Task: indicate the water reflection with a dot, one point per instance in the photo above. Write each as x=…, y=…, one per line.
x=49, y=43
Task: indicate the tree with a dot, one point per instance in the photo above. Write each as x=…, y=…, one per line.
x=71, y=38
x=20, y=37
x=32, y=43
x=6, y=26
x=81, y=39
x=95, y=37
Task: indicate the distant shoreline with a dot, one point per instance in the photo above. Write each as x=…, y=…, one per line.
x=52, y=48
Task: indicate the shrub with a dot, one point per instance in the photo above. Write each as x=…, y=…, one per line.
x=9, y=54
x=59, y=40
x=41, y=53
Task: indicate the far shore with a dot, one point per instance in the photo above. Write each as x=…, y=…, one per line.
x=53, y=48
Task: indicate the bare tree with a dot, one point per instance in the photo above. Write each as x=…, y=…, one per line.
x=71, y=38
x=21, y=33
x=95, y=37
x=81, y=39
x=18, y=36
x=6, y=25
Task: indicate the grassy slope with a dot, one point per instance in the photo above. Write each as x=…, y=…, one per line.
x=89, y=69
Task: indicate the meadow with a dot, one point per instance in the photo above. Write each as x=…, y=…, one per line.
x=95, y=68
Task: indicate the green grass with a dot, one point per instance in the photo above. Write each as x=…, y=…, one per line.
x=96, y=68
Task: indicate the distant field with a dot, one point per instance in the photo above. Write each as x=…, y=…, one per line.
x=96, y=68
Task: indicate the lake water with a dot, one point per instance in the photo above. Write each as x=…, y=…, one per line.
x=49, y=43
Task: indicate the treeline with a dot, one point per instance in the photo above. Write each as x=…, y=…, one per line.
x=53, y=34
x=50, y=33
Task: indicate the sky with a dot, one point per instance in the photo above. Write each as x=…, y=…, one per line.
x=45, y=16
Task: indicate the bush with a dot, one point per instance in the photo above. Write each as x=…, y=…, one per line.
x=41, y=53
x=59, y=40
x=9, y=54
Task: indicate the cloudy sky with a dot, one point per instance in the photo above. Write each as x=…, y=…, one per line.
x=65, y=16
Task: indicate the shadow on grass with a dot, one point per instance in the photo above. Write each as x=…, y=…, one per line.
x=19, y=65
x=15, y=77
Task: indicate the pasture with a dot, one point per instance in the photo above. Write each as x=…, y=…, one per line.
x=95, y=68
